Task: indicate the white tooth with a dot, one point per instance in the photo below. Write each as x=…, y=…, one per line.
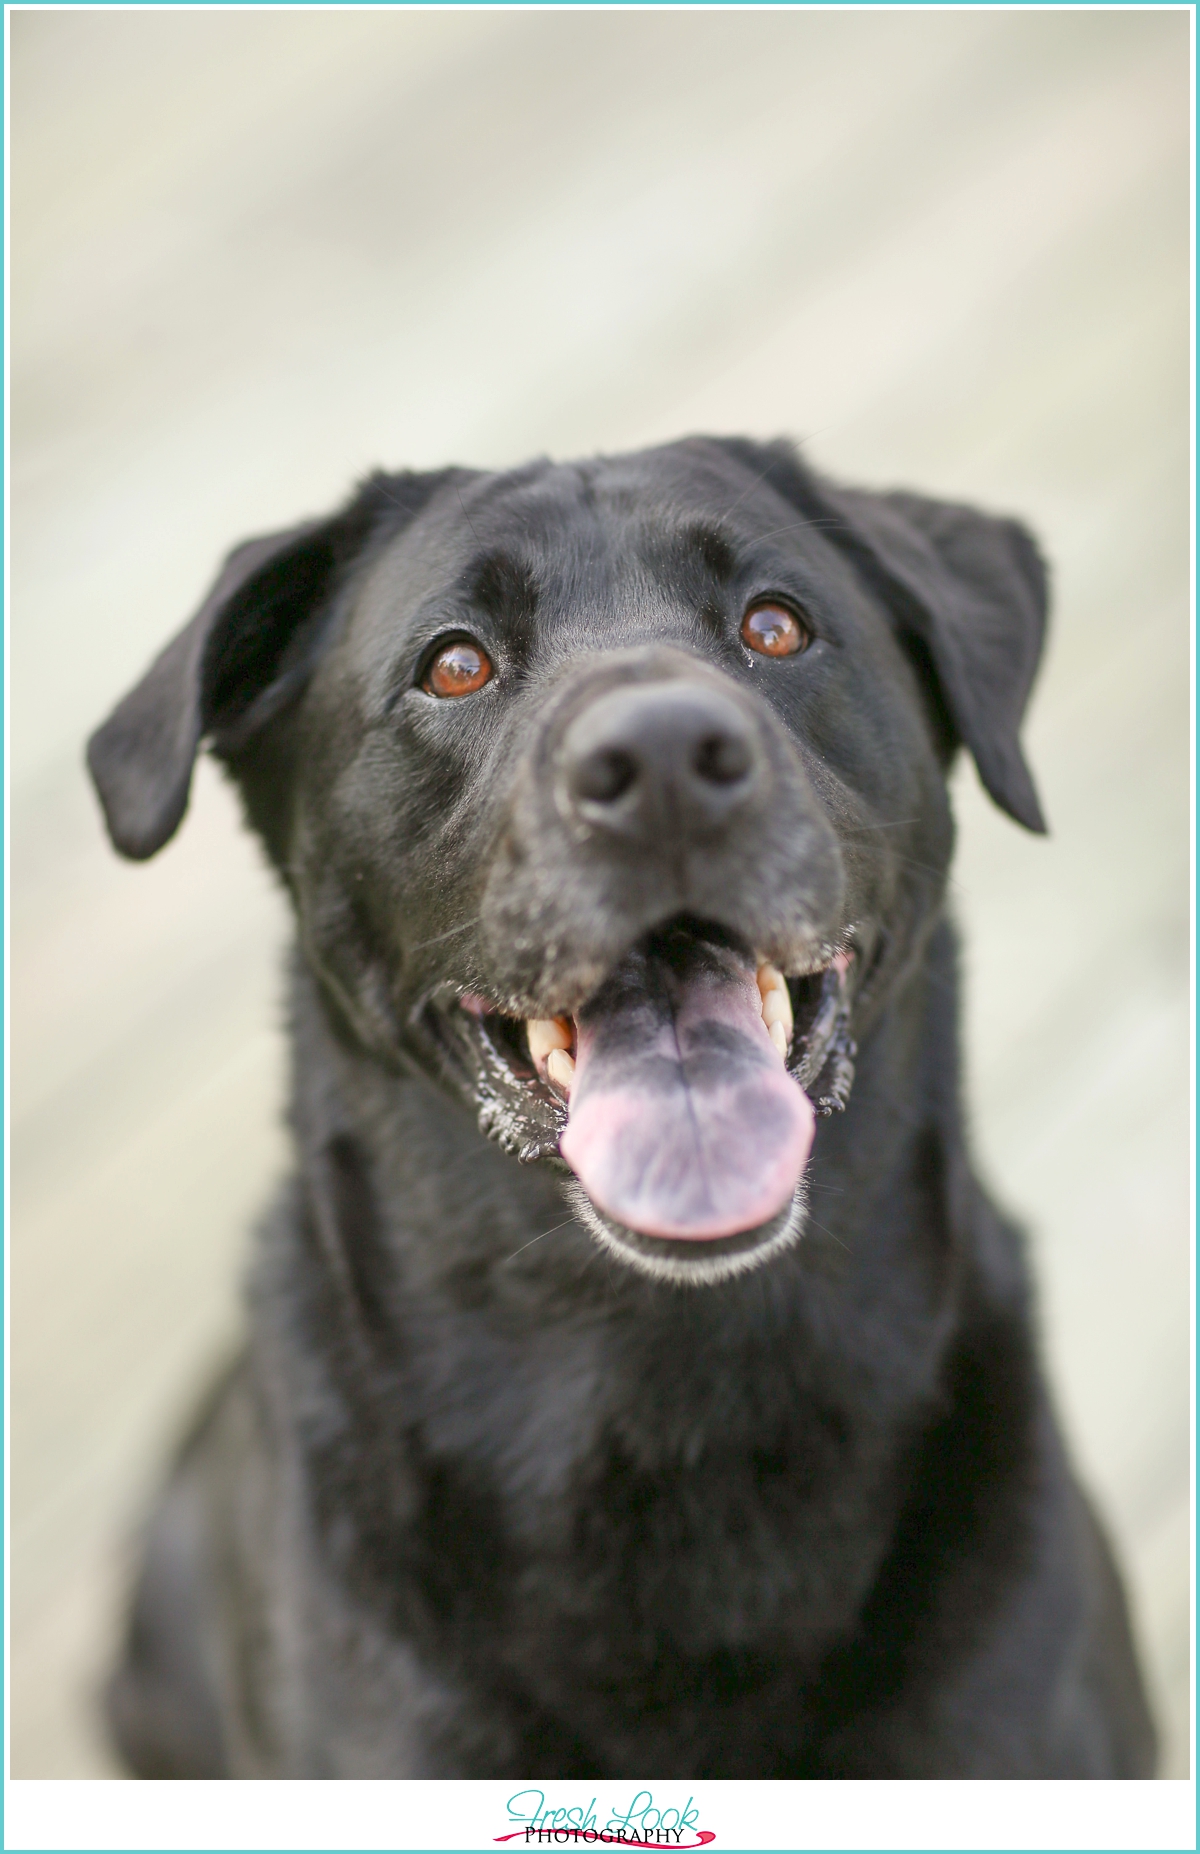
x=545, y=1034
x=779, y=1037
x=777, y=1009
x=770, y=979
x=776, y=998
x=560, y=1069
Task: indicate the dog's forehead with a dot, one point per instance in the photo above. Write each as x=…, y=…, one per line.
x=693, y=480
x=599, y=533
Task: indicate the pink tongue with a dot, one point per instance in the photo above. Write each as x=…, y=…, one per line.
x=683, y=1121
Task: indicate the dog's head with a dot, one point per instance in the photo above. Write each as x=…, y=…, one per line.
x=612, y=793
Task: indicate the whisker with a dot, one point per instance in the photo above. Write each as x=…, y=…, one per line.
x=471, y=525
x=831, y=1236
x=749, y=490
x=449, y=934
x=806, y=521
x=528, y=1245
x=943, y=875
x=378, y=487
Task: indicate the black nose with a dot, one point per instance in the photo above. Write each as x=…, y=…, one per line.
x=664, y=756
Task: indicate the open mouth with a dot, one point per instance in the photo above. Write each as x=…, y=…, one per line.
x=682, y=1095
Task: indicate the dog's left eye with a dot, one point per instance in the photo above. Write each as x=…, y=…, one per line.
x=773, y=631
x=458, y=669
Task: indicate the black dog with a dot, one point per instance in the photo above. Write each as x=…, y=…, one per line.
x=639, y=1379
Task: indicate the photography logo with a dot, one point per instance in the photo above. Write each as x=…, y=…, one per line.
x=643, y=1824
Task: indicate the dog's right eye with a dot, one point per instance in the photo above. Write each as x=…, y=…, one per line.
x=458, y=669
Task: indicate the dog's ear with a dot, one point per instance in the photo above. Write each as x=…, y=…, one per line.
x=972, y=590
x=969, y=590
x=247, y=653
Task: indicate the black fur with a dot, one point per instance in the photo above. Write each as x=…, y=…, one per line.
x=485, y=1499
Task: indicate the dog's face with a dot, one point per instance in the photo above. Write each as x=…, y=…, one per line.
x=612, y=794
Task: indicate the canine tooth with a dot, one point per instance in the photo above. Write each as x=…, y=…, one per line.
x=779, y=1037
x=776, y=998
x=777, y=1009
x=560, y=1069
x=545, y=1034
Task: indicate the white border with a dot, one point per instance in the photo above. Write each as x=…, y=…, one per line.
x=6, y=1003
x=471, y=1815
x=1193, y=865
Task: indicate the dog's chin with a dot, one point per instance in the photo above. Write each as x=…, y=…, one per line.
x=691, y=1263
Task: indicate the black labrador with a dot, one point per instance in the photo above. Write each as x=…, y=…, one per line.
x=639, y=1380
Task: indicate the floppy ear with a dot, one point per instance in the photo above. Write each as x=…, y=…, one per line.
x=969, y=589
x=246, y=654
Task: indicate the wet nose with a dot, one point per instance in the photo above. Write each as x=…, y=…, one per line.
x=660, y=757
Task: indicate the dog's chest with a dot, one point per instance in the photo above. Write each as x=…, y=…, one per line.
x=640, y=1528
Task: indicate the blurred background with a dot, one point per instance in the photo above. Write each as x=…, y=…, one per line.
x=256, y=253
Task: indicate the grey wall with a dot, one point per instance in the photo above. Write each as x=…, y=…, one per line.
x=255, y=253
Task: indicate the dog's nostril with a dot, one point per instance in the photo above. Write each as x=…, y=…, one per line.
x=605, y=776
x=722, y=759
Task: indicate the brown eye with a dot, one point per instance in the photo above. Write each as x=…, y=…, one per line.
x=773, y=632
x=458, y=669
